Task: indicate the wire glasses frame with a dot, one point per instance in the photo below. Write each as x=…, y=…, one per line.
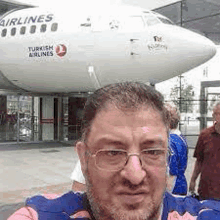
x=116, y=159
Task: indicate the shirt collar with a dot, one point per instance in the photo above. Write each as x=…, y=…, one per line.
x=175, y=131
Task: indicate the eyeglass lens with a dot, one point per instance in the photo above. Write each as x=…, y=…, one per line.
x=117, y=159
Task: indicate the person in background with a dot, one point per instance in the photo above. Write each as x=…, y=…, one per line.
x=207, y=154
x=78, y=178
x=179, y=154
x=123, y=156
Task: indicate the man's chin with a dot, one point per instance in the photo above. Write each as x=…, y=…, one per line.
x=135, y=213
x=117, y=210
x=142, y=211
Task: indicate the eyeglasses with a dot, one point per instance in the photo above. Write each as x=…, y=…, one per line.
x=115, y=160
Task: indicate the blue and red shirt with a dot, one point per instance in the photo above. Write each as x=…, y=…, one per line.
x=66, y=206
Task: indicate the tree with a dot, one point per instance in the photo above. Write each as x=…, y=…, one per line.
x=214, y=99
x=183, y=99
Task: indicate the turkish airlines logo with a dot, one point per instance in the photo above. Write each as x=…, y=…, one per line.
x=61, y=50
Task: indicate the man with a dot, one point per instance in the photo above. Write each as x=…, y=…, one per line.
x=123, y=156
x=179, y=153
x=177, y=183
x=207, y=153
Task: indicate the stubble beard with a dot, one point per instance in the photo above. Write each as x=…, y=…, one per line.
x=112, y=212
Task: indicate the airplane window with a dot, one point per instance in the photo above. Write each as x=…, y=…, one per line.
x=4, y=32
x=43, y=28
x=33, y=29
x=54, y=27
x=165, y=20
x=13, y=31
x=150, y=19
x=23, y=30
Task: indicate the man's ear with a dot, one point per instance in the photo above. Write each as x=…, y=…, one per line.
x=81, y=151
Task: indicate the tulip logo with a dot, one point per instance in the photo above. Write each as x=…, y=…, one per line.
x=61, y=50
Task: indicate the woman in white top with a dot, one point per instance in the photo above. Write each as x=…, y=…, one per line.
x=78, y=178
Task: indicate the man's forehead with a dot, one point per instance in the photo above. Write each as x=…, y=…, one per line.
x=111, y=110
x=115, y=123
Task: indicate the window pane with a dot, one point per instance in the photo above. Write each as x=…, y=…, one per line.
x=13, y=31
x=22, y=30
x=33, y=29
x=54, y=27
x=134, y=23
x=150, y=19
x=43, y=28
x=165, y=21
x=4, y=32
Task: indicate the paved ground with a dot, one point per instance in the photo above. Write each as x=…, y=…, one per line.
x=30, y=169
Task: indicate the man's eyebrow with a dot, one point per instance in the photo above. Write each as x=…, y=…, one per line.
x=157, y=141
x=110, y=141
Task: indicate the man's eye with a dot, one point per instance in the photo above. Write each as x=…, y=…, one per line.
x=113, y=153
x=153, y=152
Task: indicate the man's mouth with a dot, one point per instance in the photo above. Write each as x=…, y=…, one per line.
x=131, y=198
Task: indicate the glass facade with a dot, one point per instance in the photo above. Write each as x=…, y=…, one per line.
x=197, y=15
x=16, y=118
x=26, y=118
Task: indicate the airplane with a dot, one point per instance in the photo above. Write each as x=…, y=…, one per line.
x=80, y=48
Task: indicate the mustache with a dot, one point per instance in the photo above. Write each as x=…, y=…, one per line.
x=126, y=186
x=126, y=183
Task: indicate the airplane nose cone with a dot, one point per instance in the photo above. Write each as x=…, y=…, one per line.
x=207, y=47
x=194, y=48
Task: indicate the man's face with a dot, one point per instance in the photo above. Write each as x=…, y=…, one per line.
x=136, y=191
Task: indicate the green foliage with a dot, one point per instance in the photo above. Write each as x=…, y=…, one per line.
x=183, y=99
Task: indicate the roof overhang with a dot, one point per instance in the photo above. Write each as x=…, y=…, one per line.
x=149, y=4
x=15, y=3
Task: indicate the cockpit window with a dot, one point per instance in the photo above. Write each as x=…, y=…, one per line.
x=165, y=20
x=150, y=19
x=134, y=23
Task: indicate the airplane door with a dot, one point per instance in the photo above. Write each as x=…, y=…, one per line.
x=118, y=43
x=137, y=27
x=137, y=34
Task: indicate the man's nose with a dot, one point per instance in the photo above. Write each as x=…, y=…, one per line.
x=133, y=170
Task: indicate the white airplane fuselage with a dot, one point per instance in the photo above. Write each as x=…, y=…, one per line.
x=87, y=49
